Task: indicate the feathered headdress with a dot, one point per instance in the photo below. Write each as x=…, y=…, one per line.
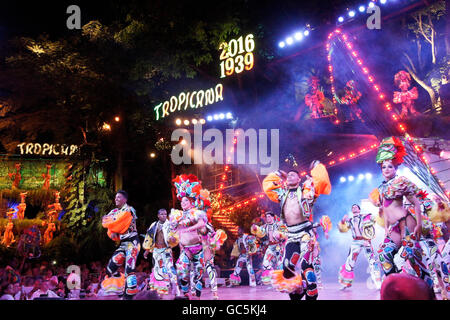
x=391, y=148
x=187, y=185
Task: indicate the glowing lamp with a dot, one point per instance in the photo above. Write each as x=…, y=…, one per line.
x=341, y=19
x=298, y=36
x=186, y=122
x=178, y=122
x=281, y=44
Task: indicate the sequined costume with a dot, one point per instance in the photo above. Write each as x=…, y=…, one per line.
x=274, y=236
x=397, y=188
x=163, y=273
x=244, y=248
x=300, y=237
x=190, y=254
x=363, y=231
x=121, y=225
x=212, y=240
x=405, y=97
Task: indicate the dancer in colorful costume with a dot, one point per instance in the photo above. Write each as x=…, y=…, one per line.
x=121, y=225
x=440, y=214
x=296, y=206
x=314, y=98
x=403, y=229
x=157, y=242
x=274, y=232
x=363, y=231
x=212, y=240
x=244, y=248
x=405, y=97
x=187, y=223
x=350, y=99
x=438, y=259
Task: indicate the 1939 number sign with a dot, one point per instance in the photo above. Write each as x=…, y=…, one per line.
x=236, y=55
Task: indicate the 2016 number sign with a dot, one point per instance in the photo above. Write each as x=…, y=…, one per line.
x=236, y=55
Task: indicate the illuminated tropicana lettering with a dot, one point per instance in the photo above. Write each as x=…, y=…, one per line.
x=193, y=100
x=237, y=55
x=47, y=149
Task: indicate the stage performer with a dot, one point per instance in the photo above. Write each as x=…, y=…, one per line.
x=274, y=233
x=121, y=225
x=363, y=231
x=187, y=224
x=212, y=240
x=350, y=98
x=157, y=242
x=244, y=248
x=314, y=98
x=296, y=201
x=405, y=97
x=403, y=230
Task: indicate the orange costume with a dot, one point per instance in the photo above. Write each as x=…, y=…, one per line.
x=121, y=225
x=301, y=241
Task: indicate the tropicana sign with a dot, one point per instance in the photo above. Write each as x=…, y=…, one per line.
x=193, y=100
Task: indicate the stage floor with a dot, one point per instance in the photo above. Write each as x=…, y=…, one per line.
x=330, y=291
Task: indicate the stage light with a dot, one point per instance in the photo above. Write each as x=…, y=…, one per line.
x=152, y=155
x=298, y=36
x=178, y=122
x=383, y=1
x=281, y=44
x=371, y=5
x=186, y=122
x=216, y=117
x=183, y=142
x=209, y=118
x=117, y=119
x=221, y=116
x=194, y=121
x=362, y=8
x=351, y=178
x=342, y=179
x=351, y=14
x=289, y=40
x=229, y=115
x=368, y=176
x=341, y=19
x=360, y=176
x=202, y=121
x=106, y=127
x=306, y=33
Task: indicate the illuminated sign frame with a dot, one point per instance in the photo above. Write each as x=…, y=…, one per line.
x=237, y=55
x=194, y=100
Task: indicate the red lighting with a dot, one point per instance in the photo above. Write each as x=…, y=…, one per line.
x=365, y=70
x=354, y=54
x=381, y=96
x=332, y=162
x=370, y=79
x=388, y=106
x=362, y=150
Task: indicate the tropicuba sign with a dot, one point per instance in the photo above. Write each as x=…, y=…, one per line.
x=193, y=100
x=47, y=149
